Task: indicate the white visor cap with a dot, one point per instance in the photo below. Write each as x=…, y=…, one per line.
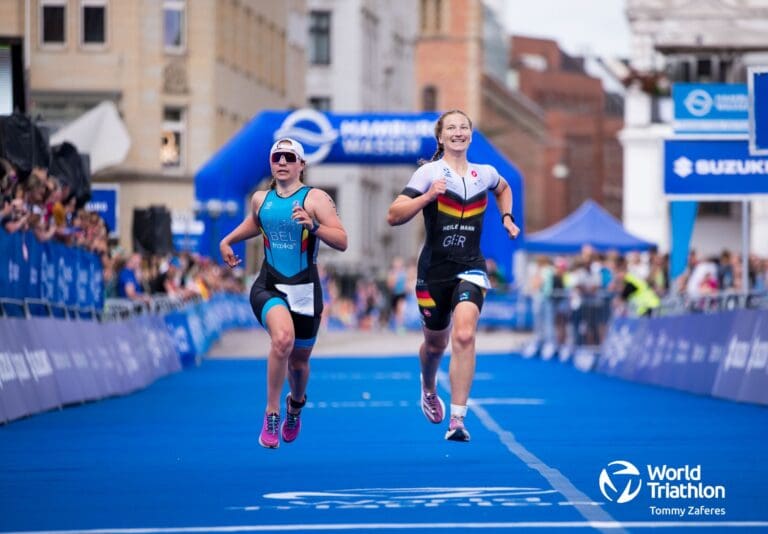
x=286, y=144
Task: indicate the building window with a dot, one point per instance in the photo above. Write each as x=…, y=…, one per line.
x=320, y=37
x=431, y=16
x=174, y=23
x=94, y=22
x=172, y=140
x=429, y=98
x=320, y=103
x=53, y=19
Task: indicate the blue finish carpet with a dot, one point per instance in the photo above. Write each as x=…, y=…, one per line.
x=183, y=456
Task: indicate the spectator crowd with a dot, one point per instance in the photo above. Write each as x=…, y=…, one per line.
x=44, y=205
x=574, y=297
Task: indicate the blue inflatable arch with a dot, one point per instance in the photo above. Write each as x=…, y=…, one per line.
x=223, y=183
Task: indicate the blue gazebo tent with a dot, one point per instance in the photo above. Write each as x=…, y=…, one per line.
x=591, y=225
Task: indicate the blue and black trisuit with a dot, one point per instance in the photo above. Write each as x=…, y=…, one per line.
x=288, y=276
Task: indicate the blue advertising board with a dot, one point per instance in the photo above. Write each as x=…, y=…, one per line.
x=710, y=107
x=105, y=200
x=710, y=167
x=758, y=111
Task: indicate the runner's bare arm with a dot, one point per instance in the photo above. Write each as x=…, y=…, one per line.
x=245, y=230
x=503, y=195
x=404, y=208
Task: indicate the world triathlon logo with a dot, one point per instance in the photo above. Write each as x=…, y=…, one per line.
x=620, y=482
x=313, y=130
x=698, y=102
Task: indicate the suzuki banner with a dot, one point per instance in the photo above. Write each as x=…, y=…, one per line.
x=719, y=168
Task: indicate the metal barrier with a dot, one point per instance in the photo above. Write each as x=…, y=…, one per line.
x=33, y=307
x=121, y=308
x=114, y=309
x=712, y=303
x=570, y=318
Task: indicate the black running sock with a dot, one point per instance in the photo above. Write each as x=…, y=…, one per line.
x=297, y=405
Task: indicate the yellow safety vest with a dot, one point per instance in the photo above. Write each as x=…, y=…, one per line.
x=644, y=298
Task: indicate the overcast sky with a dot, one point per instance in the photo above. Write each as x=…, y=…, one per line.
x=595, y=26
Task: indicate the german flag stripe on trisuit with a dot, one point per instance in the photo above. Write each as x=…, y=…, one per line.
x=424, y=299
x=456, y=209
x=266, y=239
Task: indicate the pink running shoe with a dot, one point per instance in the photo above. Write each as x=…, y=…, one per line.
x=432, y=406
x=268, y=437
x=456, y=430
x=292, y=424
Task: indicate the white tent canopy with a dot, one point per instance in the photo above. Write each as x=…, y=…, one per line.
x=100, y=133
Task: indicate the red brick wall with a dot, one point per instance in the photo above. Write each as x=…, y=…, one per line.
x=582, y=136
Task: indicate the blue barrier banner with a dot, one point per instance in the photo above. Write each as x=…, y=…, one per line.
x=506, y=310
x=107, y=369
x=82, y=279
x=115, y=345
x=619, y=353
x=723, y=354
x=17, y=269
x=653, y=347
x=708, y=336
x=34, y=342
x=96, y=285
x=5, y=254
x=178, y=329
x=67, y=376
x=160, y=337
x=104, y=386
x=72, y=256
x=733, y=367
x=128, y=364
x=668, y=334
x=15, y=402
x=123, y=333
x=640, y=353
x=47, y=362
x=615, y=347
x=22, y=375
x=70, y=340
x=754, y=386
x=193, y=329
x=148, y=347
x=34, y=251
x=47, y=273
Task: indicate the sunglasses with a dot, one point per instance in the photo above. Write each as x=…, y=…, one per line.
x=290, y=157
